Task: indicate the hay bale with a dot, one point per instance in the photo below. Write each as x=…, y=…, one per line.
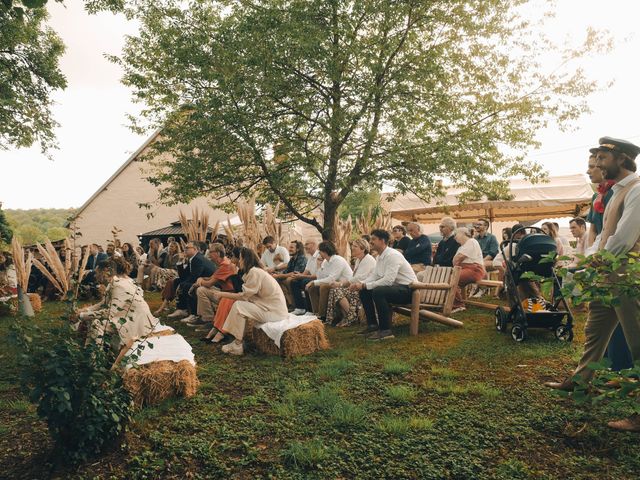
x=36, y=302
x=151, y=383
x=303, y=340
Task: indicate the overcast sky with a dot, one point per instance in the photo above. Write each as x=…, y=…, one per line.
x=94, y=139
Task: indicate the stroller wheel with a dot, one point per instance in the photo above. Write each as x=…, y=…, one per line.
x=518, y=333
x=501, y=320
x=564, y=333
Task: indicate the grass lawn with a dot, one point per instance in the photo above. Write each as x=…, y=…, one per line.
x=447, y=404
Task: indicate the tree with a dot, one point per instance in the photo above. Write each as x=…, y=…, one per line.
x=6, y=233
x=29, y=73
x=307, y=101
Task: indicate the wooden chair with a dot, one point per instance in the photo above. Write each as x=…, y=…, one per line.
x=434, y=290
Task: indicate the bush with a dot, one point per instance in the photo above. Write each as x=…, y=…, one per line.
x=82, y=400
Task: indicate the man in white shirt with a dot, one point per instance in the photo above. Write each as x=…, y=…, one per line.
x=388, y=284
x=578, y=229
x=300, y=280
x=334, y=269
x=275, y=257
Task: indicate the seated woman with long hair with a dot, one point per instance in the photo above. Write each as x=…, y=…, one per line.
x=261, y=300
x=123, y=317
x=343, y=303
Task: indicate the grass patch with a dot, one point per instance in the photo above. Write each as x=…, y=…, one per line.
x=347, y=415
x=444, y=373
x=15, y=406
x=305, y=454
x=332, y=369
x=394, y=425
x=401, y=394
x=420, y=423
x=396, y=367
x=284, y=409
x=456, y=387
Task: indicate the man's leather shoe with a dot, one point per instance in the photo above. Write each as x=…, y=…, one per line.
x=567, y=385
x=630, y=424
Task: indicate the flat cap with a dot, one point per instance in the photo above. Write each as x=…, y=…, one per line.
x=609, y=144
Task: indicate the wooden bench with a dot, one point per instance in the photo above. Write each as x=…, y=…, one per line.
x=434, y=290
x=482, y=283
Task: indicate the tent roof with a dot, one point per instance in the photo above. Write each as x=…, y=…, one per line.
x=568, y=195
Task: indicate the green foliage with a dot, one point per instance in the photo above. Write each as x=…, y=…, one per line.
x=309, y=102
x=35, y=225
x=82, y=400
x=401, y=394
x=6, y=232
x=359, y=203
x=396, y=367
x=306, y=454
x=29, y=73
x=346, y=416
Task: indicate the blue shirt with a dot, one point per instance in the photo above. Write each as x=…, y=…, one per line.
x=595, y=217
x=488, y=244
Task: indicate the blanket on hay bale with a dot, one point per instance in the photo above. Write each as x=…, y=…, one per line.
x=302, y=340
x=151, y=383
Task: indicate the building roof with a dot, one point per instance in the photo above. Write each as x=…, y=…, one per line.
x=174, y=229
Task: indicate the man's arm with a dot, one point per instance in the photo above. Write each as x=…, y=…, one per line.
x=419, y=250
x=492, y=248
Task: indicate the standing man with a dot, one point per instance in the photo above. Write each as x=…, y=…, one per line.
x=447, y=247
x=620, y=235
x=418, y=252
x=578, y=228
x=389, y=283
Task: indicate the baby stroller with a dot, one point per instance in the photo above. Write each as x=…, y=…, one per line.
x=527, y=253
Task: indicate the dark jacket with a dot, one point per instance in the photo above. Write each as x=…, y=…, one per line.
x=199, y=266
x=94, y=260
x=419, y=250
x=446, y=251
x=401, y=244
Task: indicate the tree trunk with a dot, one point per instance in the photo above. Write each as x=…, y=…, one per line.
x=330, y=216
x=24, y=304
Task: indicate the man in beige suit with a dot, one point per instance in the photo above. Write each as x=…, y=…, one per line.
x=620, y=234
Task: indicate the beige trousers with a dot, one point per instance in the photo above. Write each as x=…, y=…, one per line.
x=207, y=304
x=241, y=310
x=600, y=325
x=319, y=298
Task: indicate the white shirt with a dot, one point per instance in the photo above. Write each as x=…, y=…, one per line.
x=268, y=256
x=312, y=263
x=363, y=268
x=628, y=228
x=336, y=269
x=471, y=249
x=391, y=269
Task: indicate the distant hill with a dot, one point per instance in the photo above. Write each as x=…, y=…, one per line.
x=37, y=224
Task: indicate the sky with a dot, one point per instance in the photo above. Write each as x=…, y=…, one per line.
x=95, y=141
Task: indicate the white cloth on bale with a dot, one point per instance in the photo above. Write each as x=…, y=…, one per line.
x=167, y=347
x=275, y=330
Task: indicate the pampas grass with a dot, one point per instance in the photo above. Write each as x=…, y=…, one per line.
x=343, y=229
x=374, y=218
x=251, y=230
x=62, y=276
x=22, y=261
x=197, y=228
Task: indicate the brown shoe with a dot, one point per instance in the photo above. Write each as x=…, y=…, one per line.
x=567, y=385
x=629, y=424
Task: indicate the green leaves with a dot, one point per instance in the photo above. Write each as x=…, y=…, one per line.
x=353, y=95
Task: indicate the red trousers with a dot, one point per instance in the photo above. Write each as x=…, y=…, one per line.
x=470, y=273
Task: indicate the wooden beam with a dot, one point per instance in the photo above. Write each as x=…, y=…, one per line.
x=452, y=322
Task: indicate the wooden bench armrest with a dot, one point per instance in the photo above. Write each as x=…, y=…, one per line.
x=489, y=283
x=430, y=286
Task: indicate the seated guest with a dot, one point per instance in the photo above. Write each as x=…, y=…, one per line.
x=95, y=257
x=578, y=229
x=123, y=318
x=220, y=280
x=297, y=264
x=261, y=300
x=343, y=303
x=418, y=252
x=8, y=277
x=195, y=266
x=506, y=235
x=549, y=228
x=400, y=238
x=272, y=252
x=388, y=283
x=300, y=280
x=470, y=259
x=216, y=333
x=487, y=241
x=447, y=247
x=129, y=255
x=168, y=267
x=155, y=257
x=334, y=269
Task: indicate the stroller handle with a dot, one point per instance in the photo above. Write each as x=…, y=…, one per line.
x=512, y=240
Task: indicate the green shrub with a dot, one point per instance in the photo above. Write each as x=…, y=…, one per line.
x=82, y=400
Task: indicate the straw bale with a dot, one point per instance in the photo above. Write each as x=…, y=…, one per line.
x=36, y=302
x=155, y=382
x=303, y=340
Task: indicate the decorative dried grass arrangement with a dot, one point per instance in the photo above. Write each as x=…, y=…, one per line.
x=155, y=382
x=374, y=218
x=62, y=275
x=343, y=229
x=270, y=224
x=251, y=228
x=197, y=228
x=303, y=340
x=22, y=261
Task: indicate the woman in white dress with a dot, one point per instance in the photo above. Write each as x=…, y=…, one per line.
x=261, y=300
